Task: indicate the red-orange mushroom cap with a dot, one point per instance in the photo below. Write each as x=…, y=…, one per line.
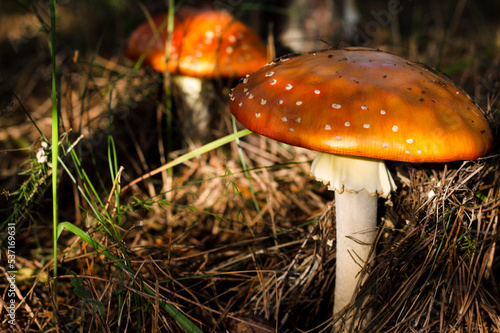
x=362, y=102
x=148, y=40
x=205, y=43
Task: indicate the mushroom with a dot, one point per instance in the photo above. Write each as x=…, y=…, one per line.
x=358, y=107
x=206, y=44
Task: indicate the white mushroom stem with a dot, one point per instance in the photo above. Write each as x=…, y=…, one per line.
x=196, y=95
x=356, y=182
x=356, y=226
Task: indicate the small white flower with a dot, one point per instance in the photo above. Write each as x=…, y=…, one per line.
x=40, y=156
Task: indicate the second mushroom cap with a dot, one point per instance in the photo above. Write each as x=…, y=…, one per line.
x=205, y=43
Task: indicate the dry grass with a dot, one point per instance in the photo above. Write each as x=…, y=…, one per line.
x=196, y=237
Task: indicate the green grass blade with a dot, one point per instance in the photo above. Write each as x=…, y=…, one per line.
x=203, y=149
x=176, y=314
x=55, y=132
x=245, y=170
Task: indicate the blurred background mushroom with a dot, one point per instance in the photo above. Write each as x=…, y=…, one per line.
x=206, y=45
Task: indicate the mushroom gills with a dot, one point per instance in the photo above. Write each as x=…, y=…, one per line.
x=349, y=173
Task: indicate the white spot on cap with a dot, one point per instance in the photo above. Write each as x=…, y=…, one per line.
x=280, y=102
x=298, y=103
x=298, y=120
x=366, y=125
x=209, y=34
x=263, y=101
x=336, y=106
x=273, y=81
x=268, y=74
x=410, y=141
x=232, y=38
x=250, y=96
x=407, y=152
x=419, y=152
x=328, y=127
x=317, y=92
x=347, y=124
x=395, y=128
x=245, y=80
x=240, y=103
x=284, y=119
x=288, y=87
x=291, y=129
x=339, y=138
x=382, y=112
x=385, y=145
x=229, y=49
x=364, y=107
x=257, y=114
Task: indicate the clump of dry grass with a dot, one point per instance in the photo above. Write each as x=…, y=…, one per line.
x=438, y=274
x=198, y=240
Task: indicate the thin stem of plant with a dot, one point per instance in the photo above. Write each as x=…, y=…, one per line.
x=55, y=137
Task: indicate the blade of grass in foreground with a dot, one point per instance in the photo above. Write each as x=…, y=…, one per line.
x=99, y=209
x=176, y=314
x=55, y=134
x=245, y=170
x=203, y=149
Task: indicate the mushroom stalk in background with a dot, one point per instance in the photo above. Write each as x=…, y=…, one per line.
x=368, y=106
x=312, y=24
x=206, y=45
x=196, y=95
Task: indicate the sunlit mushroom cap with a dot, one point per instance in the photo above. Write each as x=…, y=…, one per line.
x=362, y=102
x=205, y=43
